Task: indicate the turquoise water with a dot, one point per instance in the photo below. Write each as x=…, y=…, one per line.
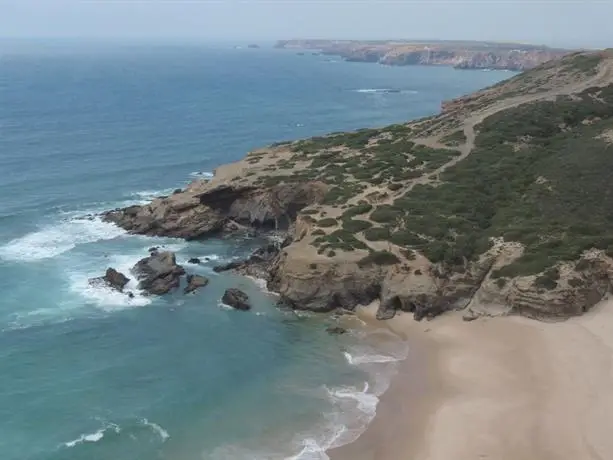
x=89, y=374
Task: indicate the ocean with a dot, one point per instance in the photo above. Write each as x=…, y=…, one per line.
x=91, y=374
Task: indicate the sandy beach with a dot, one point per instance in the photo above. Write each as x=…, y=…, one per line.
x=499, y=388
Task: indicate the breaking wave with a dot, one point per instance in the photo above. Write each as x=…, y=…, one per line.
x=55, y=239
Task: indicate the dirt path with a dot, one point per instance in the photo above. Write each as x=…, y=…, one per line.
x=602, y=78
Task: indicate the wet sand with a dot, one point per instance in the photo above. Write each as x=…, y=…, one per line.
x=499, y=389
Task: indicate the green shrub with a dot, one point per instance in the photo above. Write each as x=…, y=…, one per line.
x=386, y=214
x=318, y=232
x=356, y=226
x=377, y=234
x=379, y=258
x=395, y=186
x=309, y=211
x=357, y=210
x=327, y=222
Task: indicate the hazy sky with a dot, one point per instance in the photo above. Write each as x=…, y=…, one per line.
x=557, y=22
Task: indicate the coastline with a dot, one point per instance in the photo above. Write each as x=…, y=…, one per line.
x=500, y=388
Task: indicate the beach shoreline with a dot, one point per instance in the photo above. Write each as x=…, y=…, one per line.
x=504, y=388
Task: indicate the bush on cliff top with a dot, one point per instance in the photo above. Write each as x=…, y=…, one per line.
x=379, y=258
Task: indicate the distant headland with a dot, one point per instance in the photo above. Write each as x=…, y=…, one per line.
x=459, y=54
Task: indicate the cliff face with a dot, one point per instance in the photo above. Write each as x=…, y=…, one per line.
x=462, y=55
x=498, y=205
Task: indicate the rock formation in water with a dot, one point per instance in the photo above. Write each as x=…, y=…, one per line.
x=195, y=282
x=500, y=204
x=159, y=273
x=113, y=279
x=236, y=299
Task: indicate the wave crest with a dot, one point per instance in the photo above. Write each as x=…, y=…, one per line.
x=55, y=239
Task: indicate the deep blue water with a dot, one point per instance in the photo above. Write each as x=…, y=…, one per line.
x=89, y=374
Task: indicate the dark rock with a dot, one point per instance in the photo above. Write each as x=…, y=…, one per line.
x=229, y=266
x=385, y=313
x=153, y=249
x=158, y=273
x=336, y=330
x=112, y=278
x=194, y=260
x=194, y=282
x=207, y=259
x=178, y=190
x=130, y=295
x=236, y=299
x=116, y=279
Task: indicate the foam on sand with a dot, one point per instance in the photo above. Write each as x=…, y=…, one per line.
x=55, y=239
x=368, y=359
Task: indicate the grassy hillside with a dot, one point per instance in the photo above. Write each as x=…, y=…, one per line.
x=539, y=173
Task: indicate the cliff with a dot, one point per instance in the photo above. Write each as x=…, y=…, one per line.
x=462, y=55
x=500, y=204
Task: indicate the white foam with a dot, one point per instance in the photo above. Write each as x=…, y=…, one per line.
x=93, y=437
x=224, y=306
x=161, y=432
x=207, y=258
x=311, y=451
x=368, y=359
x=366, y=402
x=147, y=196
x=55, y=239
x=202, y=174
x=384, y=91
x=103, y=296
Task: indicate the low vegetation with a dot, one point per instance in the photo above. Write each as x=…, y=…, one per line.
x=539, y=174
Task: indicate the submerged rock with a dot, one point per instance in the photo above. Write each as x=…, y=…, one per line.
x=112, y=278
x=194, y=260
x=236, y=299
x=159, y=273
x=194, y=282
x=336, y=330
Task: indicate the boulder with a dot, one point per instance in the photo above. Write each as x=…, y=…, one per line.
x=236, y=299
x=194, y=260
x=159, y=273
x=113, y=279
x=336, y=330
x=229, y=266
x=194, y=282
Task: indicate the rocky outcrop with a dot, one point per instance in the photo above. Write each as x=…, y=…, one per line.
x=236, y=299
x=159, y=273
x=113, y=279
x=258, y=263
x=195, y=282
x=205, y=209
